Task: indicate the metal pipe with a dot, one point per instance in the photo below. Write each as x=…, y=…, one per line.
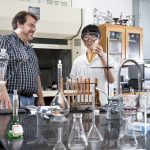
x=99, y=89
x=139, y=75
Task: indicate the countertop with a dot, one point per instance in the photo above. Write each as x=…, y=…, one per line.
x=52, y=93
x=40, y=134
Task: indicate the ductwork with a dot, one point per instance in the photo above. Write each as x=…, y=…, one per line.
x=55, y=21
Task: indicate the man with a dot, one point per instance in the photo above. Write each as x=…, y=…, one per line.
x=22, y=71
x=91, y=64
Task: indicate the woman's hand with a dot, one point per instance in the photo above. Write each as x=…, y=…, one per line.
x=97, y=48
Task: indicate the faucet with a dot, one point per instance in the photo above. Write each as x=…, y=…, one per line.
x=139, y=75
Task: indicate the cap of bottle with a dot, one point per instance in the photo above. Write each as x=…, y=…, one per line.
x=3, y=50
x=59, y=61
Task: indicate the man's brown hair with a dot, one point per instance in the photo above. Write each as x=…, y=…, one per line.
x=21, y=18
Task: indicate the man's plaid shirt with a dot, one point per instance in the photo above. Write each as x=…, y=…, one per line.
x=22, y=70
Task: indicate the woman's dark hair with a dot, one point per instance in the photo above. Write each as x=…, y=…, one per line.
x=21, y=18
x=91, y=28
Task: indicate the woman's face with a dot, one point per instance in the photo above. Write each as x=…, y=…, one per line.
x=90, y=38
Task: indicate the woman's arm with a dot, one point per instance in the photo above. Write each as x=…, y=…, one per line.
x=109, y=72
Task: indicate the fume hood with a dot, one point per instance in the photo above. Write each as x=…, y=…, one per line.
x=55, y=21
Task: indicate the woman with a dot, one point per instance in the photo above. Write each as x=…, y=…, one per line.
x=93, y=63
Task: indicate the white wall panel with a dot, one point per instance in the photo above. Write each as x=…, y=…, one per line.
x=142, y=9
x=114, y=6
x=87, y=6
x=145, y=23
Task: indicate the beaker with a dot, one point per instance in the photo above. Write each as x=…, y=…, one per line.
x=114, y=108
x=127, y=139
x=77, y=139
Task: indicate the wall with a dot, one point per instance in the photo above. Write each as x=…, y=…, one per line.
x=142, y=9
x=114, y=6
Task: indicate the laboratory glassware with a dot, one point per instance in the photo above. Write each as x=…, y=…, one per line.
x=77, y=139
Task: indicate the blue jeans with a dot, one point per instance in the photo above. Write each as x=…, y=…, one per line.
x=24, y=100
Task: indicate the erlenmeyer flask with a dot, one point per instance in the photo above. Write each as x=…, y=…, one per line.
x=60, y=105
x=94, y=135
x=127, y=139
x=77, y=139
x=59, y=145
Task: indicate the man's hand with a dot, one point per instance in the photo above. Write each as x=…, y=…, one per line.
x=4, y=98
x=41, y=102
x=40, y=94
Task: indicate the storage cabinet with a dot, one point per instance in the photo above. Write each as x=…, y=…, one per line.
x=134, y=43
x=122, y=42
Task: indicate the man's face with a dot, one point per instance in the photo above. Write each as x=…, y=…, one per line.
x=28, y=28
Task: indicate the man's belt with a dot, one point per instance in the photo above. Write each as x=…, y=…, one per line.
x=25, y=95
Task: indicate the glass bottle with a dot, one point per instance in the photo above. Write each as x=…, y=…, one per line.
x=15, y=130
x=127, y=139
x=59, y=145
x=15, y=108
x=77, y=139
x=60, y=106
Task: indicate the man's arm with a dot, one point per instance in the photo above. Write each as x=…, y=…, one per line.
x=4, y=97
x=40, y=94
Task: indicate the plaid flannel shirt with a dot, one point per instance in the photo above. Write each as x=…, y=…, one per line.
x=22, y=70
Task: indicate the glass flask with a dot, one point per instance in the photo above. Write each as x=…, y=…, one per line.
x=127, y=139
x=4, y=58
x=77, y=139
x=60, y=105
x=94, y=134
x=59, y=145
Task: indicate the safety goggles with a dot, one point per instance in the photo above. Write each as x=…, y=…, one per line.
x=90, y=35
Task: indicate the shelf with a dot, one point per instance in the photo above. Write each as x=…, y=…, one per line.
x=114, y=39
x=133, y=41
x=115, y=53
x=52, y=93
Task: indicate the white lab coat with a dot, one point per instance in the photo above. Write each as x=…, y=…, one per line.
x=82, y=68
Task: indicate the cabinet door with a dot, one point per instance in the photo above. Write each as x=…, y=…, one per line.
x=134, y=44
x=116, y=45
